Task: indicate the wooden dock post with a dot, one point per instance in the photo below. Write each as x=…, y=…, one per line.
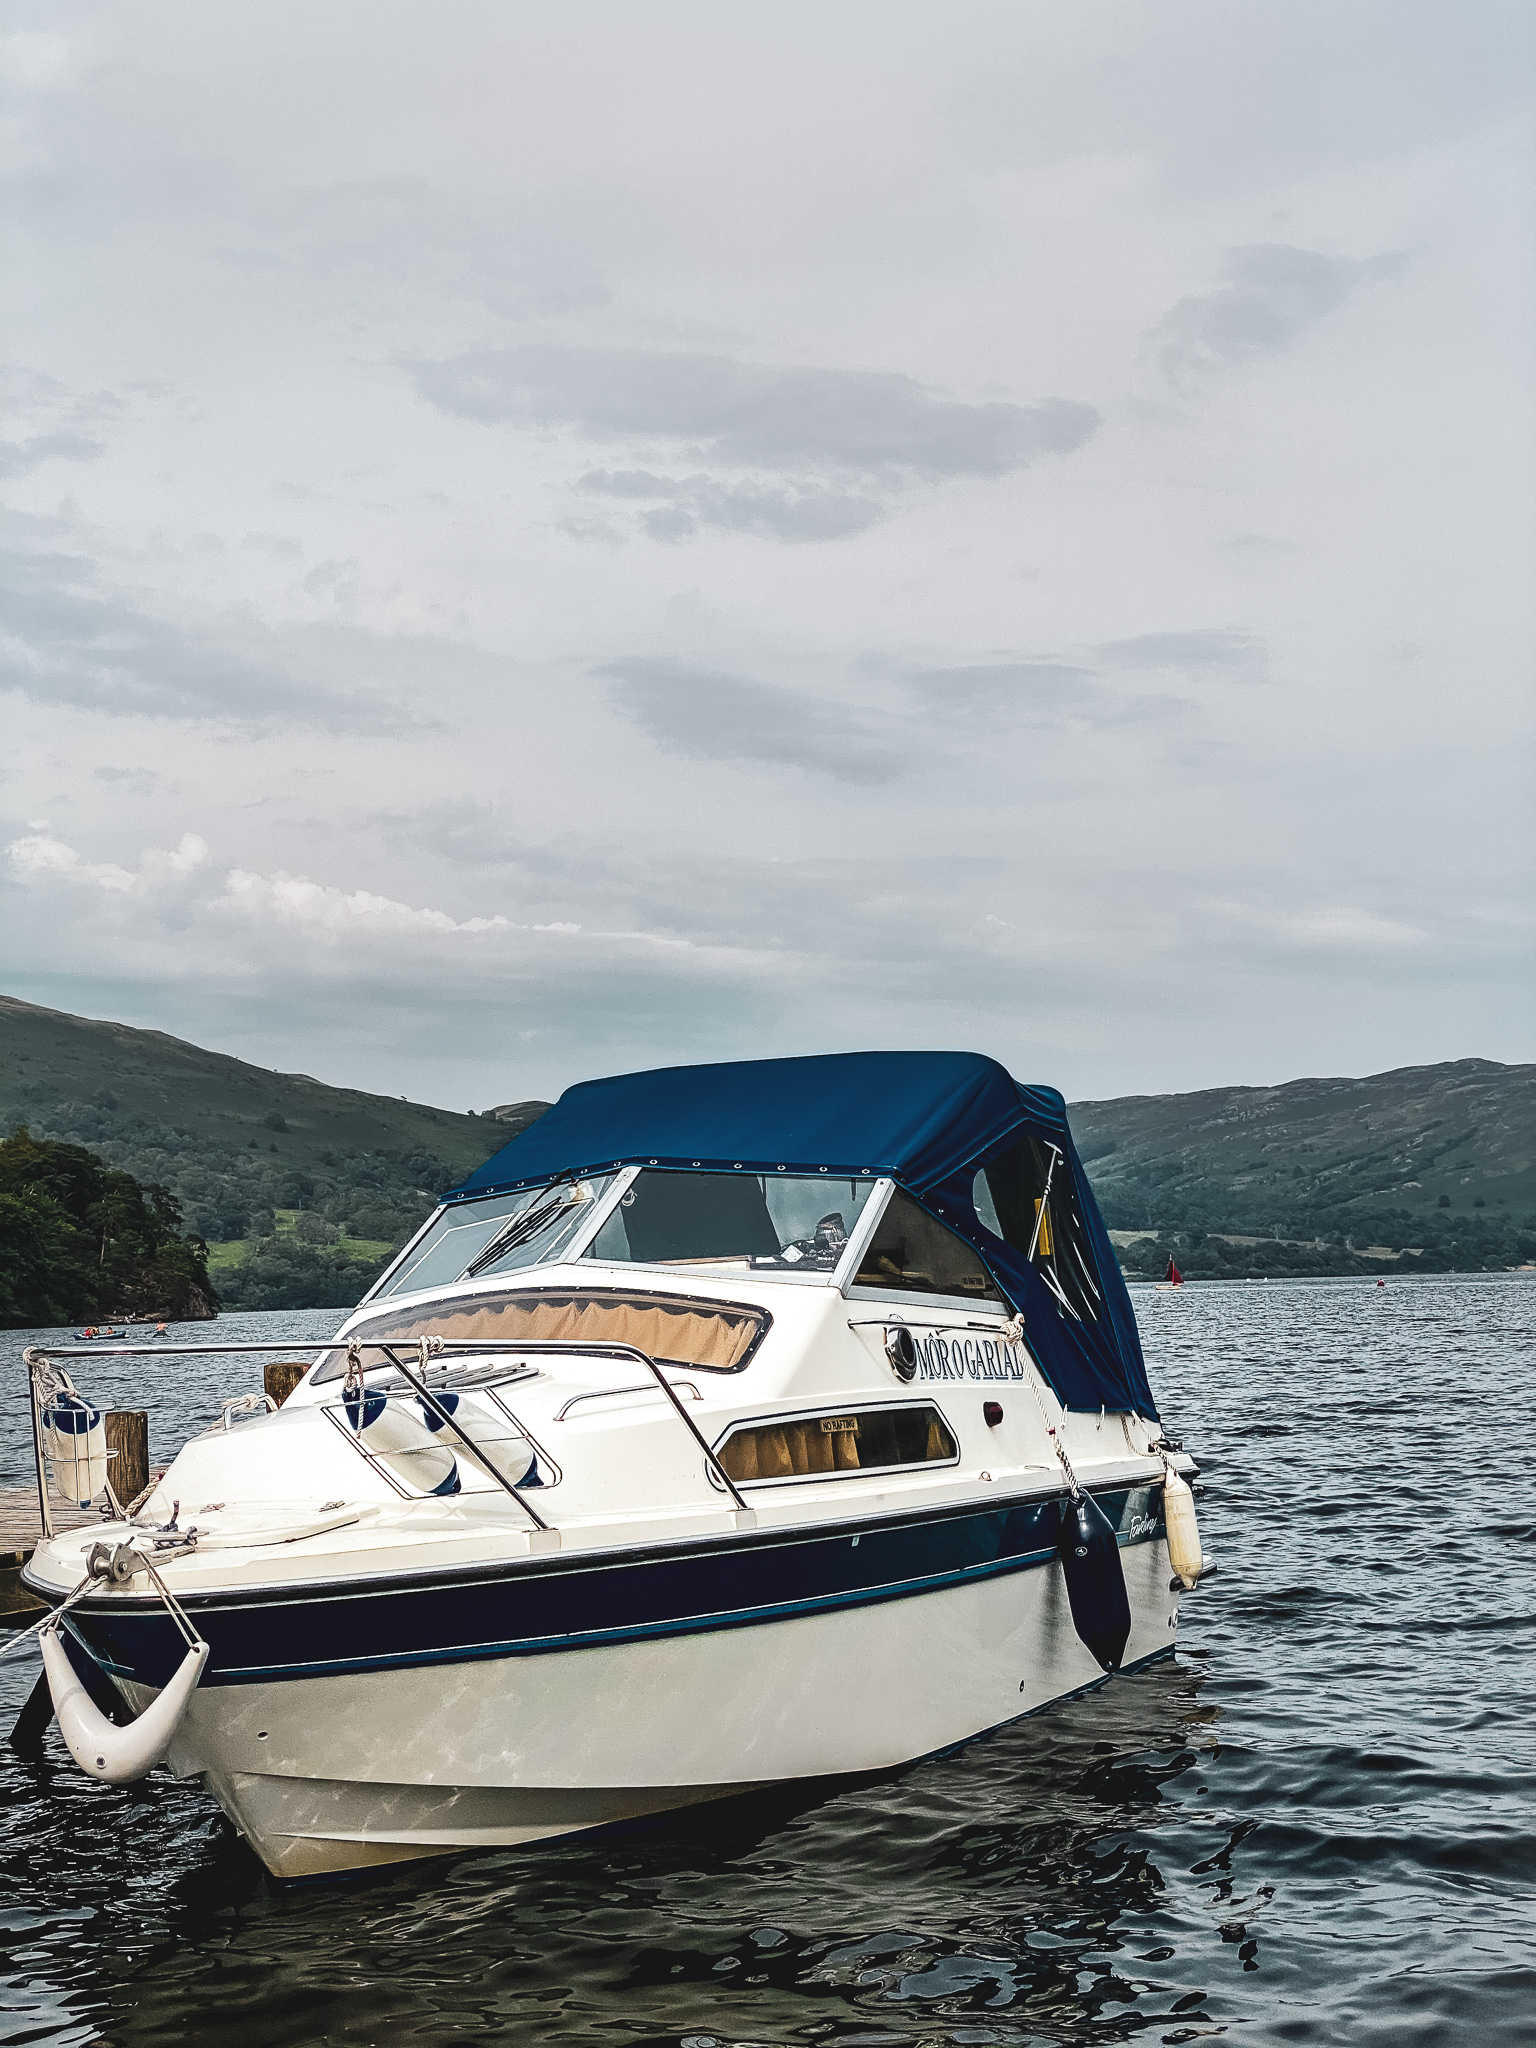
x=128, y=1434
x=280, y=1380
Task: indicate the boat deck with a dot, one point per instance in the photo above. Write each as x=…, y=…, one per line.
x=20, y=1534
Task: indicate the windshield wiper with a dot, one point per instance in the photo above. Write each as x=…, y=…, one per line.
x=526, y=1225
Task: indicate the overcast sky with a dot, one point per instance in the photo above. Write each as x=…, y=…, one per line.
x=545, y=539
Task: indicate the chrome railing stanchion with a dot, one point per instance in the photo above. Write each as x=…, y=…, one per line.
x=44, y=1512
x=430, y=1402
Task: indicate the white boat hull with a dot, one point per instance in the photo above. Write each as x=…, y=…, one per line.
x=329, y=1774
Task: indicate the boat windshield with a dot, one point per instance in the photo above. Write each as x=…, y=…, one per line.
x=742, y=1222
x=498, y=1235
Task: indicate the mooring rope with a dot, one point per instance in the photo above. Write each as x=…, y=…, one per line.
x=1013, y=1333
x=101, y=1569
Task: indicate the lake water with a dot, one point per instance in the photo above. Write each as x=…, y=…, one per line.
x=1315, y=1826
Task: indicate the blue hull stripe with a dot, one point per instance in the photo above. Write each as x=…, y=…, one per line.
x=573, y=1603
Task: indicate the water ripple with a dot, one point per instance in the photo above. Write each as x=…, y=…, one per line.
x=1315, y=1827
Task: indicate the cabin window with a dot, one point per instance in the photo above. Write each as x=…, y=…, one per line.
x=498, y=1234
x=912, y=1252
x=865, y=1440
x=751, y=1222
x=1010, y=1199
x=674, y=1329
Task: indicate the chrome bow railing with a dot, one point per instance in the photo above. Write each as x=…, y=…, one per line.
x=394, y=1357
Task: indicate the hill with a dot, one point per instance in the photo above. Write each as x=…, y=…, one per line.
x=301, y=1189
x=1429, y=1168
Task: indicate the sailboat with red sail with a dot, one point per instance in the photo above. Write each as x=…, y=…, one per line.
x=1173, y=1277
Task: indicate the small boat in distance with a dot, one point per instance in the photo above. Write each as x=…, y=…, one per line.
x=1173, y=1277
x=732, y=1425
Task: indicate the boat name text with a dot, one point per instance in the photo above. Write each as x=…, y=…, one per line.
x=967, y=1358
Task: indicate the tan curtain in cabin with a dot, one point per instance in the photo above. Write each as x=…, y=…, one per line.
x=661, y=1332
x=791, y=1450
x=681, y=1333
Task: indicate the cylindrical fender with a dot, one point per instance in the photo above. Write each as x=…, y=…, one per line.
x=1090, y=1563
x=399, y=1439
x=499, y=1447
x=1184, y=1552
x=75, y=1445
x=117, y=1756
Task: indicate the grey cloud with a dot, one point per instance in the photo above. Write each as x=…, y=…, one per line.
x=1033, y=692
x=597, y=881
x=861, y=422
x=907, y=943
x=52, y=421
x=336, y=581
x=602, y=1010
x=680, y=507
x=836, y=445
x=18, y=457
x=1206, y=647
x=1271, y=295
x=1031, y=950
x=634, y=483
x=718, y=717
x=839, y=908
x=67, y=640
x=927, y=717
x=473, y=835
x=957, y=711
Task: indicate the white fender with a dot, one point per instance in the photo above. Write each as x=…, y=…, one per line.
x=399, y=1439
x=1184, y=1552
x=117, y=1756
x=499, y=1445
x=75, y=1445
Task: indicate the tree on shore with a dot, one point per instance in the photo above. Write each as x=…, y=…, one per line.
x=81, y=1241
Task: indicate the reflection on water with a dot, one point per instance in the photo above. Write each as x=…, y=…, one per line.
x=1312, y=1827
x=1019, y=1876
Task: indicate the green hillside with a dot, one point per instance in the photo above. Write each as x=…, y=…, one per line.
x=300, y=1188
x=1428, y=1168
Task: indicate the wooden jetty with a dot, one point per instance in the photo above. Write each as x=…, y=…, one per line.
x=20, y=1533
x=127, y=1431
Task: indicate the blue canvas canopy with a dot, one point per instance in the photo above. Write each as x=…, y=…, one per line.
x=928, y=1120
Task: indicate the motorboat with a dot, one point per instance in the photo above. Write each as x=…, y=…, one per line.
x=732, y=1425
